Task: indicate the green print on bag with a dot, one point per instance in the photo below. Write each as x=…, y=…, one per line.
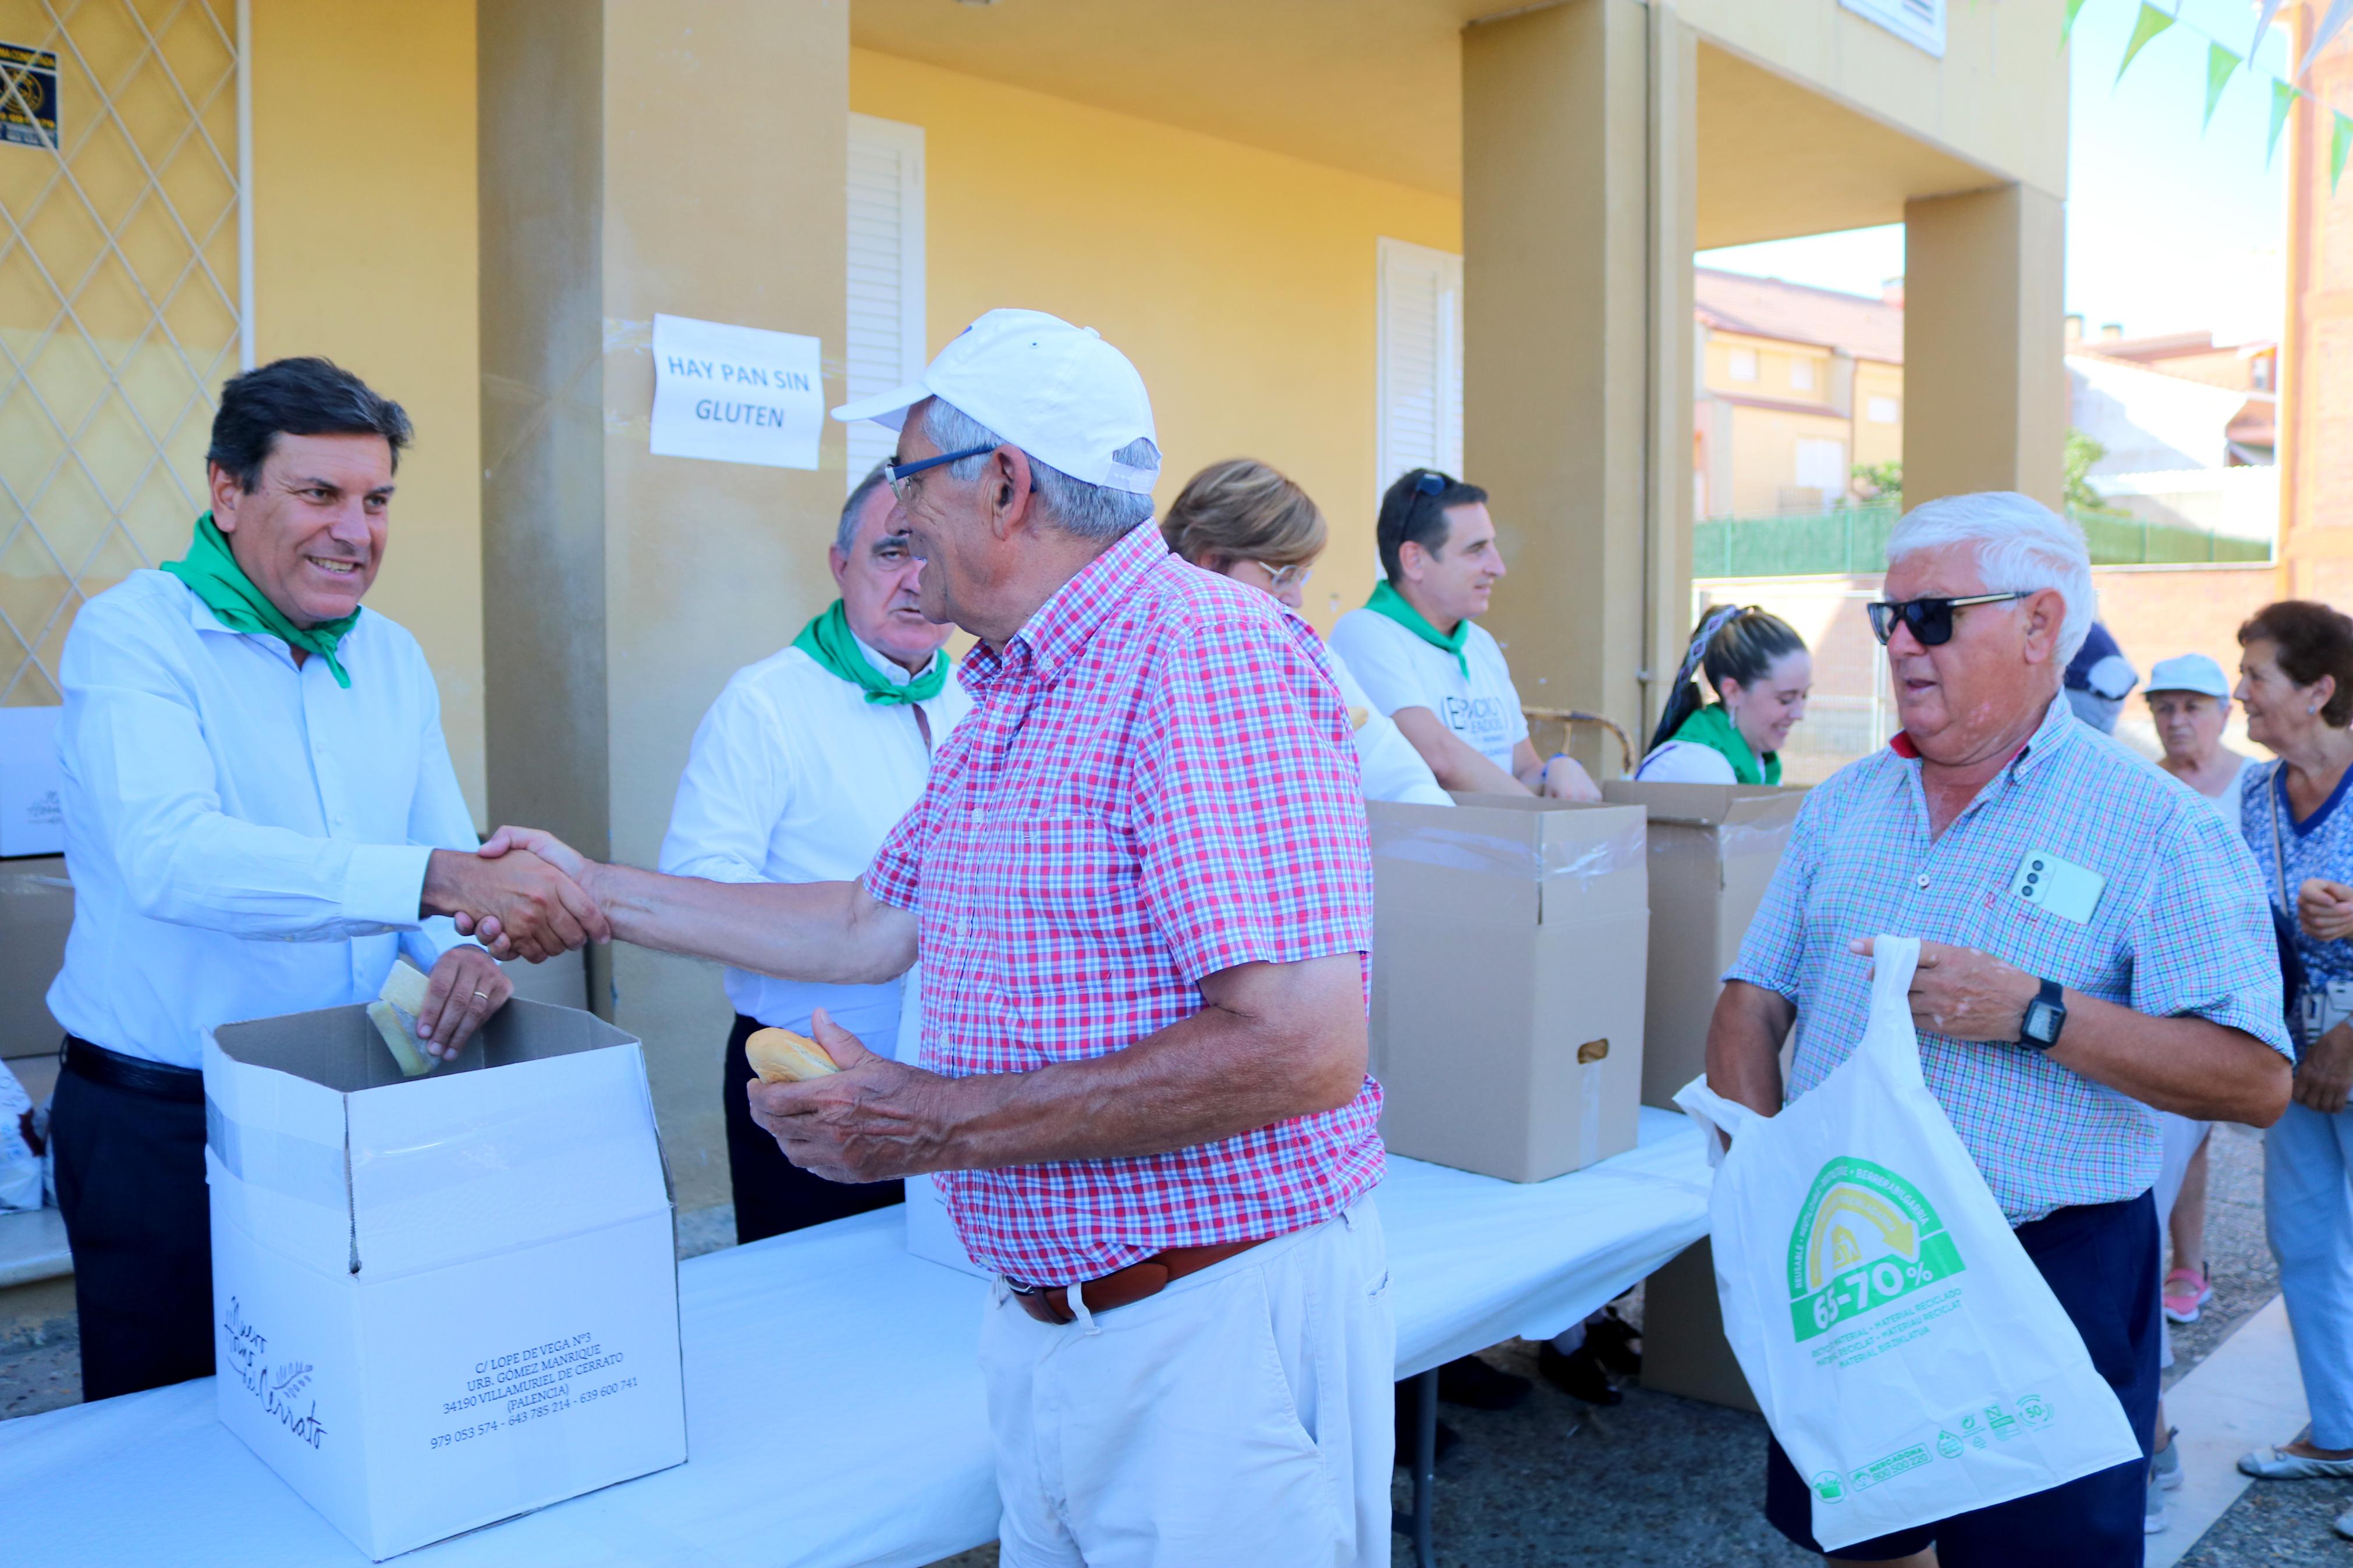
x=1864, y=1238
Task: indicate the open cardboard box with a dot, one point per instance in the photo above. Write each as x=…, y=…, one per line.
x=441, y=1301
x=1713, y=849
x=1510, y=936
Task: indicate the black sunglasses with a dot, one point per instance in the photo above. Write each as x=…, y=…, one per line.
x=1931, y=620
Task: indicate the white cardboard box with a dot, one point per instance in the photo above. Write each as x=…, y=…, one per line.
x=930, y=1235
x=441, y=1303
x=32, y=783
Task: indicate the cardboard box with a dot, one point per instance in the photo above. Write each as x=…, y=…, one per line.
x=32, y=783
x=1714, y=848
x=930, y=1235
x=1509, y=941
x=442, y=1301
x=35, y=912
x=1685, y=1350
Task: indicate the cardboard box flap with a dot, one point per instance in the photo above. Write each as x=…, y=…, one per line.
x=1707, y=805
x=275, y=1163
x=542, y=1127
x=445, y=1169
x=1514, y=858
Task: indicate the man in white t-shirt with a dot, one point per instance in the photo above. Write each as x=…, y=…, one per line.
x=1423, y=660
x=803, y=762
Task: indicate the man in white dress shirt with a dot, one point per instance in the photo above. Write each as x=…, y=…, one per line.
x=802, y=764
x=260, y=814
x=1425, y=662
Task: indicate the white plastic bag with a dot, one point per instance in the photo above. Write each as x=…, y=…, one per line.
x=1906, y=1351
x=20, y=1168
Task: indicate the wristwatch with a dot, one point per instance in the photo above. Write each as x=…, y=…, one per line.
x=2045, y=1017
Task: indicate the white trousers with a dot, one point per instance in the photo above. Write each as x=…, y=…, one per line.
x=1245, y=1415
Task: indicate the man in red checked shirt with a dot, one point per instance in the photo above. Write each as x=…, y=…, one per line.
x=1139, y=883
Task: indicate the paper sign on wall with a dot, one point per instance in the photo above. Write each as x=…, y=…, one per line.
x=736, y=394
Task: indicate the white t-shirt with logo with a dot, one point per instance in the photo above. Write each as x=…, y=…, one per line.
x=1392, y=769
x=1398, y=669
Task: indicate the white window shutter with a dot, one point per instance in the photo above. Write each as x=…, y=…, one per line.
x=1421, y=360
x=884, y=344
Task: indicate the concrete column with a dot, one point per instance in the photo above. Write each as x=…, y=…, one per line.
x=1985, y=383
x=689, y=158
x=1578, y=164
x=2316, y=350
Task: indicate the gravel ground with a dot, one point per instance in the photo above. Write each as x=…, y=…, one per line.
x=1680, y=1481
x=40, y=1370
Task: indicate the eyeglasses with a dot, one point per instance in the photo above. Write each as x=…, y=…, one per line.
x=1931, y=620
x=900, y=476
x=1278, y=578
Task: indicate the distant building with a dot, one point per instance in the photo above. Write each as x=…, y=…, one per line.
x=2187, y=428
x=1796, y=386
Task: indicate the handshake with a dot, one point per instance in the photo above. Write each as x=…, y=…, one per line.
x=522, y=895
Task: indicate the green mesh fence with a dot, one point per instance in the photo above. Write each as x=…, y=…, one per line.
x=1853, y=540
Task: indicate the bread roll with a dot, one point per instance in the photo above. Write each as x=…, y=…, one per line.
x=779, y=1055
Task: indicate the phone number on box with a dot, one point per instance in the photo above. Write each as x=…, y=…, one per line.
x=463, y=1433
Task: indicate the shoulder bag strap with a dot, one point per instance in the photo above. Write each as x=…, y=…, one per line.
x=2271, y=811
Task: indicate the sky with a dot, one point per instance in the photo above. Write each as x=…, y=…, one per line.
x=2168, y=230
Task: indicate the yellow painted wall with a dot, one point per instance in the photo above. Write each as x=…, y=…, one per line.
x=364, y=251
x=1241, y=283
x=1998, y=98
x=1777, y=368
x=1875, y=442
x=1764, y=455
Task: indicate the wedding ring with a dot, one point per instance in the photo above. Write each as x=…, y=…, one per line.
x=481, y=996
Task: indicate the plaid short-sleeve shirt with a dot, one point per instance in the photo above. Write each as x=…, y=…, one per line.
x=2178, y=927
x=1157, y=781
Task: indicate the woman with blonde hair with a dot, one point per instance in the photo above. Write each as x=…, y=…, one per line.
x=1243, y=520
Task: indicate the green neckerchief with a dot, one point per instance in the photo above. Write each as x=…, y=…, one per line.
x=1712, y=727
x=213, y=575
x=1387, y=601
x=827, y=640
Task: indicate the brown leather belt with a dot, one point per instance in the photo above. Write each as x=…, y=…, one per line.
x=1125, y=1287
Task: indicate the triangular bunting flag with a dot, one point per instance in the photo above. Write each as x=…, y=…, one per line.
x=2067, y=23
x=2339, y=143
x=2339, y=12
x=2263, y=25
x=2283, y=97
x=2219, y=65
x=2152, y=22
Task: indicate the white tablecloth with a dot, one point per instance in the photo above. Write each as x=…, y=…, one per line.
x=864, y=1444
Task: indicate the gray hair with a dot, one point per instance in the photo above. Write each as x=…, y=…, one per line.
x=848, y=529
x=1091, y=511
x=2022, y=547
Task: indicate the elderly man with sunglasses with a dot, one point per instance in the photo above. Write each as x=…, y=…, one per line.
x=2095, y=942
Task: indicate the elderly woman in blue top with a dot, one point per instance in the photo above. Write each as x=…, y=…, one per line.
x=2092, y=944
x=2296, y=683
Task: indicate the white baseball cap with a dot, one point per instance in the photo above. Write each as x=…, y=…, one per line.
x=2190, y=672
x=1058, y=392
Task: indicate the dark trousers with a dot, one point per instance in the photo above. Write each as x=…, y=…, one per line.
x=131, y=1186
x=2100, y=1260
x=774, y=1196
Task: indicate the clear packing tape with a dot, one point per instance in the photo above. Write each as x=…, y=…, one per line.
x=301, y=1168
x=1739, y=840
x=1428, y=843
